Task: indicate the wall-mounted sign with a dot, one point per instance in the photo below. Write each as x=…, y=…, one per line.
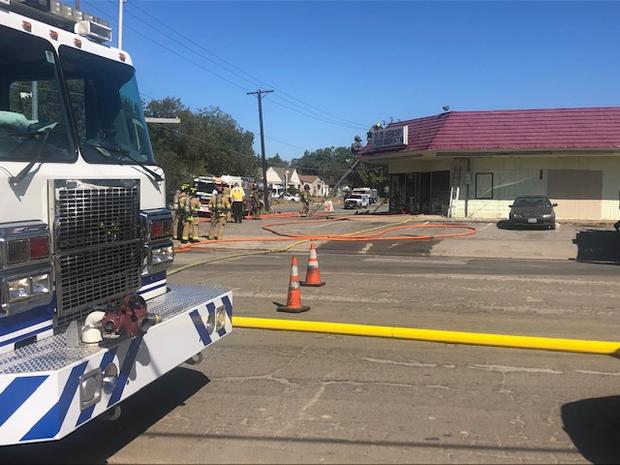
x=390, y=137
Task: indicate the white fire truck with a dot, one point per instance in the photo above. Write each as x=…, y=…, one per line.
x=87, y=318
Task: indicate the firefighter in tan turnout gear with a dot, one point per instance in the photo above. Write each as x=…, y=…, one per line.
x=256, y=201
x=179, y=211
x=226, y=192
x=305, y=200
x=220, y=207
x=191, y=207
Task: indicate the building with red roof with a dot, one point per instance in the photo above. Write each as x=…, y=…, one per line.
x=475, y=163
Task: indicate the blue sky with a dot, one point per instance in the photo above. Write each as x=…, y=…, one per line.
x=354, y=63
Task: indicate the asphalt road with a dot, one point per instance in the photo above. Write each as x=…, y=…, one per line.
x=265, y=396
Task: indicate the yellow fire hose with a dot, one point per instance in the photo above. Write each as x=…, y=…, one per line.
x=433, y=335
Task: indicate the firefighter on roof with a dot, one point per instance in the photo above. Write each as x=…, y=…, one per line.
x=220, y=207
x=356, y=146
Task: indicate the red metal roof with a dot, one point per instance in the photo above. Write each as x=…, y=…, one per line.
x=557, y=128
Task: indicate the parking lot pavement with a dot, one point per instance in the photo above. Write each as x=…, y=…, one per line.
x=492, y=240
x=279, y=397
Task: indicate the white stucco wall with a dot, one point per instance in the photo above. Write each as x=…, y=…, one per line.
x=514, y=176
x=294, y=179
x=272, y=177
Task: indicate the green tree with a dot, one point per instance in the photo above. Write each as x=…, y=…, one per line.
x=208, y=141
x=331, y=163
x=276, y=160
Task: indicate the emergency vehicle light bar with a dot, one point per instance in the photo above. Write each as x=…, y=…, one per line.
x=94, y=30
x=63, y=16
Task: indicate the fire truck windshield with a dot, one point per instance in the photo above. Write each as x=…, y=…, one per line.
x=33, y=119
x=107, y=108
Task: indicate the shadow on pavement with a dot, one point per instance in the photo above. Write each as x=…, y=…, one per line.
x=507, y=224
x=99, y=440
x=595, y=245
x=381, y=248
x=594, y=427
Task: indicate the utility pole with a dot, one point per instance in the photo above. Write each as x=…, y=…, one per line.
x=259, y=93
x=120, y=23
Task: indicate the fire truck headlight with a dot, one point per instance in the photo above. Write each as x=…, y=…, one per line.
x=19, y=289
x=41, y=284
x=220, y=318
x=162, y=255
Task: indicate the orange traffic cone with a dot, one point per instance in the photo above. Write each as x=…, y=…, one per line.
x=293, y=303
x=313, y=274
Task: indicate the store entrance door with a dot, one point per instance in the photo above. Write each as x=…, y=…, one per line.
x=421, y=193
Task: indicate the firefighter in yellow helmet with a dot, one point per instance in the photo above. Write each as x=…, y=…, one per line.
x=219, y=206
x=191, y=231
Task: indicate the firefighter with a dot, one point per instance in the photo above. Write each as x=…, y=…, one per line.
x=356, y=146
x=180, y=216
x=176, y=224
x=194, y=205
x=191, y=231
x=256, y=202
x=226, y=192
x=220, y=207
x=237, y=194
x=305, y=200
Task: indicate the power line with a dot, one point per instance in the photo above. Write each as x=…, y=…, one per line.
x=198, y=139
x=231, y=65
x=321, y=119
x=179, y=55
x=308, y=115
x=268, y=137
x=286, y=143
x=301, y=112
x=218, y=75
x=330, y=120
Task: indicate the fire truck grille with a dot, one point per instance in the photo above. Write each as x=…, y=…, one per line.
x=98, y=244
x=88, y=217
x=96, y=277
